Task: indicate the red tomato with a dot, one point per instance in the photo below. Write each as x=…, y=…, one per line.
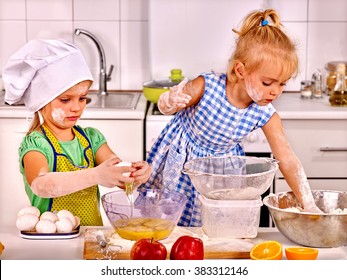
x=187, y=248
x=148, y=249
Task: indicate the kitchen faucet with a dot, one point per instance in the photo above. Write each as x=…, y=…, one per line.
x=103, y=77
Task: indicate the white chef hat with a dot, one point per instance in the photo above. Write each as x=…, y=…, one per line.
x=42, y=70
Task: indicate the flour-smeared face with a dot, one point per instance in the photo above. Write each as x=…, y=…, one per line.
x=254, y=92
x=266, y=83
x=58, y=116
x=66, y=109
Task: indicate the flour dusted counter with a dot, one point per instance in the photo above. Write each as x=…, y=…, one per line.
x=317, y=133
x=122, y=128
x=18, y=248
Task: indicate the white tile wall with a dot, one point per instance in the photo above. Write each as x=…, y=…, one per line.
x=327, y=10
x=293, y=10
x=135, y=66
x=200, y=36
x=49, y=10
x=327, y=41
x=194, y=35
x=42, y=29
x=109, y=39
x=134, y=10
x=12, y=9
x=103, y=10
x=144, y=39
x=298, y=32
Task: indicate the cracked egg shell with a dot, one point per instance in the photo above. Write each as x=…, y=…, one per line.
x=124, y=163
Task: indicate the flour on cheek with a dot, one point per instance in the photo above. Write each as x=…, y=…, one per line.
x=254, y=93
x=58, y=116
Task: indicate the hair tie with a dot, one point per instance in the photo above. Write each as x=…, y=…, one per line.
x=264, y=22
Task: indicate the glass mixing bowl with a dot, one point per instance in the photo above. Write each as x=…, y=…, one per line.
x=231, y=177
x=154, y=214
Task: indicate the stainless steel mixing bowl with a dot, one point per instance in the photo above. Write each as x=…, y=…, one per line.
x=231, y=177
x=328, y=229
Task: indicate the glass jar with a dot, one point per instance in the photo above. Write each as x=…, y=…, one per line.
x=339, y=95
x=306, y=89
x=331, y=68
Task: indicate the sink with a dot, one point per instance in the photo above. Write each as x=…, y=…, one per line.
x=126, y=100
x=3, y=104
x=114, y=100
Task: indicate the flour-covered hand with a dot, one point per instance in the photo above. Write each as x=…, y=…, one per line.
x=312, y=208
x=171, y=100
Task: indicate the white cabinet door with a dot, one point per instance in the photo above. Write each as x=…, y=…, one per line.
x=12, y=191
x=315, y=184
x=126, y=139
x=321, y=146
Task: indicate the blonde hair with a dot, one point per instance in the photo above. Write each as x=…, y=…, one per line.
x=35, y=123
x=261, y=39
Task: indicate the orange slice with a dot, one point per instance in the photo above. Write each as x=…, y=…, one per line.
x=301, y=253
x=2, y=247
x=267, y=250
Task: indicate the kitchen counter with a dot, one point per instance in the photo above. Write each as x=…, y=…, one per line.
x=15, y=112
x=292, y=106
x=288, y=106
x=18, y=248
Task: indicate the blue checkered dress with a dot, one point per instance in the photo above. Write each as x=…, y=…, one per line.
x=213, y=127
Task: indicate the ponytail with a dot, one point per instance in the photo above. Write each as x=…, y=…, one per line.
x=261, y=39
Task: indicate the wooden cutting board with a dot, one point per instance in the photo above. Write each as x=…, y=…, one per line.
x=119, y=249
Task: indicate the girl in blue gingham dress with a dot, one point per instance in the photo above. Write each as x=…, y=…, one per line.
x=215, y=112
x=212, y=127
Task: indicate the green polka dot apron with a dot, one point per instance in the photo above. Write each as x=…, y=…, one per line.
x=84, y=203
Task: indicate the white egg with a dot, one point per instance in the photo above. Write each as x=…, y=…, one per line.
x=30, y=209
x=46, y=226
x=49, y=216
x=68, y=214
x=27, y=222
x=77, y=222
x=125, y=163
x=64, y=225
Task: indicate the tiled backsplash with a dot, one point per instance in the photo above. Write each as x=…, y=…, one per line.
x=144, y=39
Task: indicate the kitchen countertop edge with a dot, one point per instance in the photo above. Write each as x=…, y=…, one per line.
x=16, y=112
x=18, y=248
x=289, y=106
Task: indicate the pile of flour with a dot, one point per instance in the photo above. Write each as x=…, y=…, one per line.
x=332, y=211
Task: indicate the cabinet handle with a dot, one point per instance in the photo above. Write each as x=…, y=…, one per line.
x=333, y=149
